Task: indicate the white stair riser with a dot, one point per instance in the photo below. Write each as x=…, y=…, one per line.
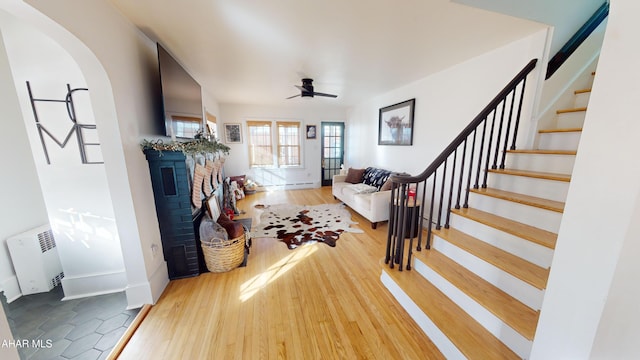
x=571, y=119
x=441, y=341
x=559, y=140
x=581, y=99
x=527, y=250
x=547, y=189
x=560, y=164
x=523, y=292
x=515, y=341
x=530, y=215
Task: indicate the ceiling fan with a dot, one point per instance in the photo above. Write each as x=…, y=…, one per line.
x=306, y=90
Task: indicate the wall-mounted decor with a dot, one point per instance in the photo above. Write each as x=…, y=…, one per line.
x=80, y=130
x=395, y=125
x=232, y=133
x=311, y=131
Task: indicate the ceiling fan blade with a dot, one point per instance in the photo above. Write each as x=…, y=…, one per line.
x=291, y=97
x=323, y=94
x=306, y=90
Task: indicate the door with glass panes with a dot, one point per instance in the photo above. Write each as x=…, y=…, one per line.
x=332, y=150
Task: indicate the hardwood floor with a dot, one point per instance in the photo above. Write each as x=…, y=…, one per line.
x=314, y=302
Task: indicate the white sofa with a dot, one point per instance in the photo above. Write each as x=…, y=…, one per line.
x=374, y=206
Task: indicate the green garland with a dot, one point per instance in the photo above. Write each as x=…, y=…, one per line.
x=190, y=147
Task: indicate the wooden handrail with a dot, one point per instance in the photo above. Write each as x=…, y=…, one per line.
x=458, y=168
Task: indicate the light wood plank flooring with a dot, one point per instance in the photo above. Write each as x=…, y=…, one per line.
x=314, y=302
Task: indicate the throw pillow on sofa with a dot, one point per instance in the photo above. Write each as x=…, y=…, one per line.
x=388, y=183
x=375, y=177
x=354, y=176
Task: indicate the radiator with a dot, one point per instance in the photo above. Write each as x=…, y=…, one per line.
x=34, y=255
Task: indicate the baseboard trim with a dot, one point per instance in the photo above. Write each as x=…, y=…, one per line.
x=76, y=287
x=148, y=292
x=292, y=186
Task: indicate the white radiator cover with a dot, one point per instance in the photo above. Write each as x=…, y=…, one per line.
x=35, y=259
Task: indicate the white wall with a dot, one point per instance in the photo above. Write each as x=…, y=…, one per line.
x=439, y=116
x=76, y=195
x=308, y=113
x=23, y=205
x=119, y=64
x=590, y=307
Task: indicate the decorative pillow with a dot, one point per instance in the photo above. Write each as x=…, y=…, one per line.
x=361, y=188
x=375, y=177
x=234, y=229
x=387, y=185
x=354, y=176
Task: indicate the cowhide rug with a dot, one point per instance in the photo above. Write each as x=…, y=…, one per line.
x=296, y=224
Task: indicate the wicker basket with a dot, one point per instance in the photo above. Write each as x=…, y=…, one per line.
x=223, y=255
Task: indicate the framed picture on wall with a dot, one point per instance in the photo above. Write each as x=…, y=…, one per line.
x=233, y=133
x=311, y=131
x=395, y=124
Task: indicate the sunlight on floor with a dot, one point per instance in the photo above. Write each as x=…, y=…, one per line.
x=260, y=281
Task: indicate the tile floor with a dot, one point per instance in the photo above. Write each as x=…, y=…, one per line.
x=85, y=328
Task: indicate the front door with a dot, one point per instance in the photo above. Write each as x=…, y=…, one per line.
x=332, y=150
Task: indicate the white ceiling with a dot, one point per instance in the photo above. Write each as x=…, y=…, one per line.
x=251, y=51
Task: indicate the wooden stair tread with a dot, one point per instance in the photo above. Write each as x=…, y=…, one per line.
x=530, y=273
x=533, y=174
x=512, y=312
x=524, y=231
x=541, y=203
x=473, y=340
x=560, y=130
x=582, y=91
x=543, y=152
x=578, y=109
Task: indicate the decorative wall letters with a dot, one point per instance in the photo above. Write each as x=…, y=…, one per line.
x=76, y=127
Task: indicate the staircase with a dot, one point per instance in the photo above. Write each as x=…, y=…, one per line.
x=478, y=291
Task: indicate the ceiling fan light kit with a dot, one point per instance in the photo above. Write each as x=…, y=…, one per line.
x=306, y=90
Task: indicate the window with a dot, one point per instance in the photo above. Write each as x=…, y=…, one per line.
x=288, y=143
x=186, y=126
x=261, y=143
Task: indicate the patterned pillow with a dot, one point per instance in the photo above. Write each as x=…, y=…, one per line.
x=375, y=177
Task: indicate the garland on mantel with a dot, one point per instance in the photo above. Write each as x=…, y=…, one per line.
x=189, y=147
